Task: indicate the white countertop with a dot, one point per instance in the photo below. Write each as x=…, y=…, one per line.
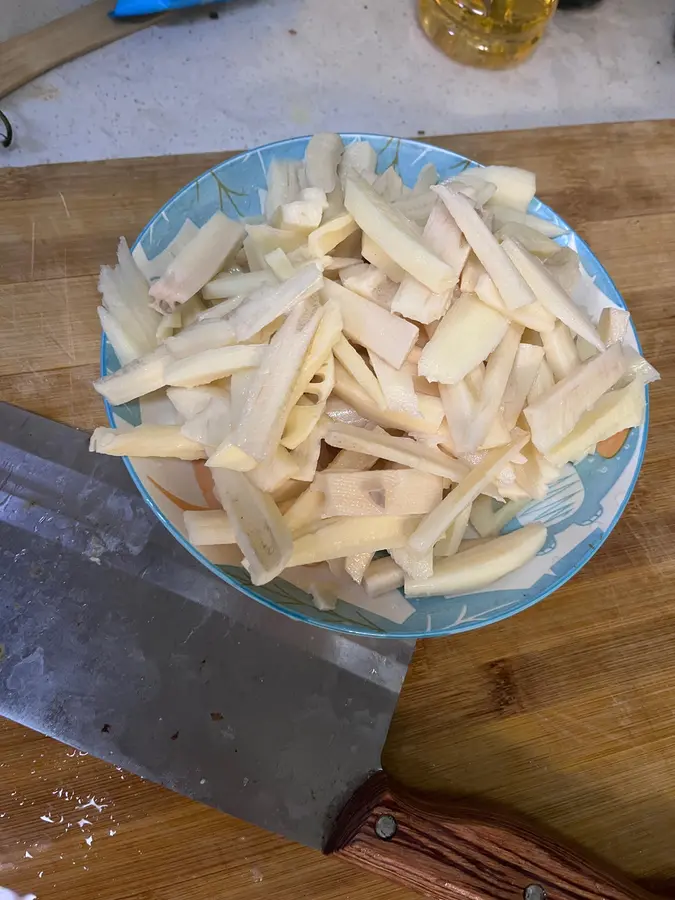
x=269, y=69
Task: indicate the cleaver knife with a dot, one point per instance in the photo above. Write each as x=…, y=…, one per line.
x=118, y=642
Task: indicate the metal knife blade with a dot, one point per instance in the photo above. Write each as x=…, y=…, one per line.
x=118, y=642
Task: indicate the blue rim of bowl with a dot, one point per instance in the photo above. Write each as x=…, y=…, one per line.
x=348, y=628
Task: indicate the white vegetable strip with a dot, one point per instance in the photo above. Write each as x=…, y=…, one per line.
x=430, y=408
x=533, y=315
x=542, y=383
x=613, y=325
x=358, y=369
x=322, y=156
x=266, y=239
x=388, y=492
x=146, y=440
x=208, y=527
x=414, y=300
x=412, y=565
x=513, y=187
x=479, y=566
x=348, y=536
x=460, y=408
x=189, y=402
x=437, y=522
x=200, y=336
x=267, y=304
x=389, y=184
x=371, y=326
x=444, y=236
x=211, y=365
x=232, y=285
x=565, y=268
x=264, y=417
x=497, y=373
x=561, y=351
x=124, y=292
x=274, y=471
x=512, y=287
x=524, y=371
x=197, y=262
x=262, y=534
x=280, y=264
x=154, y=268
x=356, y=565
x=360, y=157
x=396, y=449
x=283, y=184
x=382, y=575
x=330, y=234
x=328, y=332
x=210, y=426
x=125, y=343
x=220, y=310
x=449, y=544
x=305, y=415
x=549, y=293
x=532, y=240
x=396, y=385
x=396, y=236
x=136, y=378
x=489, y=521
x=466, y=335
x=554, y=415
x=623, y=408
x=379, y=258
x=370, y=282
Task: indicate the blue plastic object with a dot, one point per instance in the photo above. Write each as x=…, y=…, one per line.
x=581, y=508
x=127, y=8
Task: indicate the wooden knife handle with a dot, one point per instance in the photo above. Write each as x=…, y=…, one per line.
x=25, y=57
x=462, y=851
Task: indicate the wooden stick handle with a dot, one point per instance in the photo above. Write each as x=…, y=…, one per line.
x=462, y=851
x=25, y=57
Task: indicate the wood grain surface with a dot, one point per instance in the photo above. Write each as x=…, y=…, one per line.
x=465, y=849
x=565, y=712
x=26, y=56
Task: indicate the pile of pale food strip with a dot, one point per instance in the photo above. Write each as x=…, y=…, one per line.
x=428, y=334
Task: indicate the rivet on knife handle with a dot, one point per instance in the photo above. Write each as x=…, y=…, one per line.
x=458, y=850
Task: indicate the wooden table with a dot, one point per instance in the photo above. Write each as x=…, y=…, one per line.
x=566, y=712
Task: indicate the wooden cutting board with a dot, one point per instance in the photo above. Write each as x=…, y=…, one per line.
x=566, y=712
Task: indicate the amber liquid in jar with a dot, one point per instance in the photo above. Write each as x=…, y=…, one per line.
x=493, y=35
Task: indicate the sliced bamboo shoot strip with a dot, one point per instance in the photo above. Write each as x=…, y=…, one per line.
x=211, y=365
x=136, y=378
x=479, y=566
x=321, y=160
x=327, y=236
x=267, y=304
x=372, y=327
x=208, y=527
x=305, y=415
x=412, y=565
x=445, y=238
x=382, y=575
x=396, y=449
x=623, y=408
x=267, y=405
x=356, y=565
x=543, y=382
x=201, y=336
x=127, y=345
x=396, y=385
x=266, y=239
x=450, y=542
x=465, y=336
x=146, y=440
x=328, y=332
x=197, y=262
x=524, y=371
x=381, y=260
x=489, y=521
x=511, y=285
x=388, y=492
x=396, y=235
x=513, y=187
x=431, y=410
x=232, y=285
x=561, y=351
x=350, y=535
x=533, y=315
x=549, y=293
x=262, y=534
x=460, y=407
x=555, y=414
x=437, y=522
x=497, y=373
x=358, y=369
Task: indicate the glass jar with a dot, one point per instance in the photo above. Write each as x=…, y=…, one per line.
x=493, y=34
